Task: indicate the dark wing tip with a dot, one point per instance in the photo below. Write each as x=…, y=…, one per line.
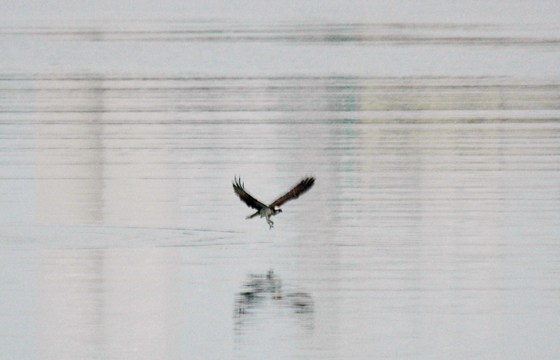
x=307, y=182
x=237, y=183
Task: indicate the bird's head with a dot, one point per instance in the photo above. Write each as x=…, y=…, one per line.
x=277, y=210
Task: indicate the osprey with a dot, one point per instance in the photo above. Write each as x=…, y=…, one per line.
x=274, y=208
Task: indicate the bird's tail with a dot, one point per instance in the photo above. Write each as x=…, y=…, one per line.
x=252, y=216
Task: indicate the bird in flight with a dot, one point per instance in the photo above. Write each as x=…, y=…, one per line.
x=274, y=208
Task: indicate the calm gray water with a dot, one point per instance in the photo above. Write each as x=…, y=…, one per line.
x=432, y=232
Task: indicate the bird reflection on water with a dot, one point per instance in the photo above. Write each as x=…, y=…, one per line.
x=263, y=290
x=266, y=307
x=257, y=288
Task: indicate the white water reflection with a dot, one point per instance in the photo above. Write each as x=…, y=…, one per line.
x=429, y=232
x=432, y=230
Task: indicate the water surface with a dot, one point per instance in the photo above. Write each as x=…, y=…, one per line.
x=431, y=232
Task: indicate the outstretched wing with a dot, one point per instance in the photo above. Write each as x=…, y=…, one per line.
x=238, y=187
x=296, y=191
